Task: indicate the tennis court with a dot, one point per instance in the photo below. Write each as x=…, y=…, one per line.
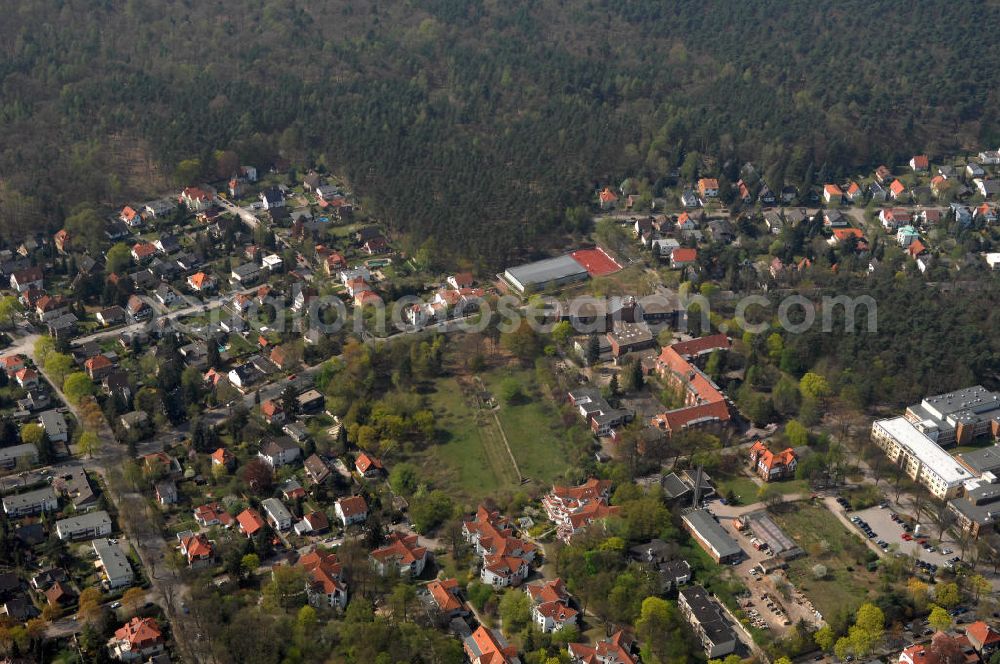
x=595, y=261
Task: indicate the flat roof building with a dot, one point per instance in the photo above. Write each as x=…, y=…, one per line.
x=712, y=537
x=957, y=417
x=921, y=457
x=84, y=526
x=31, y=502
x=708, y=621
x=114, y=564
x=11, y=456
x=548, y=273
x=979, y=509
x=984, y=460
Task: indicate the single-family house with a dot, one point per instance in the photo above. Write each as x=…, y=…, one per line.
x=324, y=580
x=351, y=510
x=708, y=187
x=201, y=282
x=277, y=514
x=272, y=198
x=197, y=548
x=272, y=412
x=833, y=194
x=682, y=257
x=250, y=522
x=195, y=199
x=920, y=163
x=98, y=366
x=139, y=638
x=279, y=452
x=368, y=466
x=27, y=278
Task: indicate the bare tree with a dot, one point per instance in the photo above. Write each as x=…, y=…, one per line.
x=943, y=519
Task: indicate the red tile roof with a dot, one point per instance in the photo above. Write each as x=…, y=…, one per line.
x=684, y=255
x=916, y=248
x=833, y=190
x=143, y=249
x=199, y=279
x=140, y=633
x=212, y=512
x=405, y=548
x=843, y=233
x=97, y=362
x=608, y=196
x=491, y=651
x=250, y=521
x=981, y=634
x=897, y=187
x=223, y=456
x=270, y=408
x=364, y=463
x=443, y=593
x=771, y=460
x=353, y=506
x=197, y=547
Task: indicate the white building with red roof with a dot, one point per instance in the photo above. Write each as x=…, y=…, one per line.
x=616, y=649
x=487, y=646
x=368, y=466
x=983, y=638
x=491, y=533
x=351, y=510
x=212, y=514
x=198, y=549
x=401, y=556
x=324, y=580
x=12, y=363
x=137, y=639
x=250, y=522
x=771, y=466
x=443, y=594
x=195, y=199
x=574, y=508
x=550, y=606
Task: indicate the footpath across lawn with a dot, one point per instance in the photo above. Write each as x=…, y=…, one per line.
x=532, y=426
x=471, y=459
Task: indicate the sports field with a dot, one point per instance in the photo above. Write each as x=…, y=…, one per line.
x=596, y=262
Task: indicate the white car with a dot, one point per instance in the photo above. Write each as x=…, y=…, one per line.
x=116, y=605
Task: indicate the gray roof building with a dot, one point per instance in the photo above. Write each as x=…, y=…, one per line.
x=984, y=460
x=84, y=526
x=117, y=570
x=708, y=621
x=711, y=536
x=55, y=425
x=31, y=502
x=10, y=456
x=544, y=274
x=674, y=487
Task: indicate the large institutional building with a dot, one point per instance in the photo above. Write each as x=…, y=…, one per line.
x=915, y=441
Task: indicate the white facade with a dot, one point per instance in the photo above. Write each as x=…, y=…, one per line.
x=922, y=458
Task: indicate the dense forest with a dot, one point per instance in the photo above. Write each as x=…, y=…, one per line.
x=473, y=121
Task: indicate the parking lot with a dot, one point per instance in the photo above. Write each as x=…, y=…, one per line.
x=881, y=522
